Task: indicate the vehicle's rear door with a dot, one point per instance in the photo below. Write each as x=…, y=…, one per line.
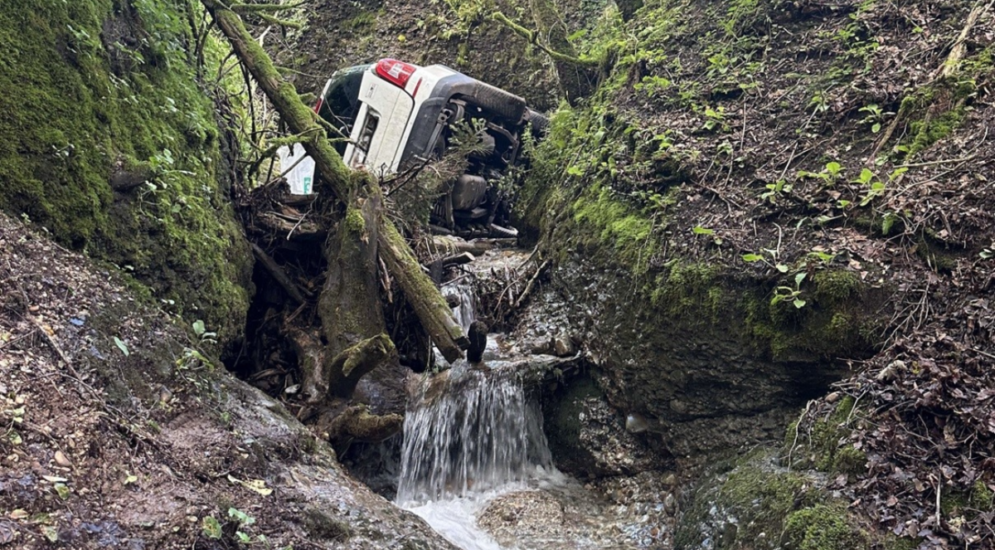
x=393, y=106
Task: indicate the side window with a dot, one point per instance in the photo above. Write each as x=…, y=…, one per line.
x=365, y=138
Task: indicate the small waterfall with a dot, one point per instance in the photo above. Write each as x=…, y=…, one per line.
x=463, y=295
x=469, y=435
x=478, y=433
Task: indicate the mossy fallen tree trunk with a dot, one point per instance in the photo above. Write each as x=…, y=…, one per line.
x=425, y=299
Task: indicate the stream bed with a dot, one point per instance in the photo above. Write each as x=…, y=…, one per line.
x=476, y=465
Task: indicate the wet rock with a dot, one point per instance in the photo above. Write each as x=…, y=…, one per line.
x=690, y=371
x=588, y=438
x=636, y=423
x=563, y=345
x=670, y=480
x=670, y=504
x=478, y=342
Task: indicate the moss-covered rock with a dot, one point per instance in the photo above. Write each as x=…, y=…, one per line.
x=757, y=504
x=97, y=92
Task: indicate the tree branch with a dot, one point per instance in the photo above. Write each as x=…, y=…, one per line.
x=533, y=38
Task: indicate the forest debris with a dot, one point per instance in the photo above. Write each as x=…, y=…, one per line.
x=424, y=297
x=278, y=275
x=345, y=369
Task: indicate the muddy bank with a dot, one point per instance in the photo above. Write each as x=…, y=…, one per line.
x=122, y=433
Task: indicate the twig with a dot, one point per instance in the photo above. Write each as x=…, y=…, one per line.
x=278, y=274
x=528, y=287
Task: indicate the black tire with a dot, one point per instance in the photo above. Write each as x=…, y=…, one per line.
x=540, y=123
x=504, y=104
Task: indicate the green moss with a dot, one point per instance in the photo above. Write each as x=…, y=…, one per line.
x=833, y=322
x=362, y=22
x=926, y=133
x=836, y=287
x=614, y=223
x=934, y=254
x=689, y=291
x=822, y=527
x=78, y=102
x=354, y=222
x=982, y=496
x=756, y=492
x=324, y=527
x=821, y=447
x=849, y=460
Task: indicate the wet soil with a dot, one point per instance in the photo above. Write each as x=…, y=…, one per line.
x=118, y=432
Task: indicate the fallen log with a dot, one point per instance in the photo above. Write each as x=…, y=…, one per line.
x=428, y=303
x=424, y=297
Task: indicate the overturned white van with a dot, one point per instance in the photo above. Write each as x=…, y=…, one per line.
x=397, y=114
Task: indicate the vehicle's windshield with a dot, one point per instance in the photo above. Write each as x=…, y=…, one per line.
x=341, y=101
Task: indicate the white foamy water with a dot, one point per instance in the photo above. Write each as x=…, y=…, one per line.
x=469, y=437
x=471, y=432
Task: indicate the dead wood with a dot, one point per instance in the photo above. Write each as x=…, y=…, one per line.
x=278, y=275
x=346, y=368
x=357, y=423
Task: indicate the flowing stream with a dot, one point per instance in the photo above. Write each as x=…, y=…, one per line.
x=471, y=435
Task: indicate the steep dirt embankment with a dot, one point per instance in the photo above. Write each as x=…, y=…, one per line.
x=787, y=194
x=119, y=433
x=110, y=141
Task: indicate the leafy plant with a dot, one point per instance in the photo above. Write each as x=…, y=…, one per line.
x=875, y=117
x=876, y=187
x=775, y=189
x=829, y=175
x=715, y=119
x=785, y=293
x=653, y=85
x=200, y=329
x=753, y=258
x=211, y=527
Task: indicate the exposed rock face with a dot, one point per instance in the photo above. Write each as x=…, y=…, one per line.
x=695, y=377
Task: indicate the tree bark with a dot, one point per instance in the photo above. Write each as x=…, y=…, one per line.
x=576, y=80
x=343, y=183
x=355, y=362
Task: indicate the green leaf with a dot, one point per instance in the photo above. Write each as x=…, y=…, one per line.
x=799, y=278
x=575, y=171
x=211, y=527
x=62, y=490
x=876, y=128
x=199, y=328
x=799, y=303
x=122, y=346
x=752, y=258
x=782, y=268
x=241, y=517
x=242, y=537
x=865, y=176
x=50, y=533
x=834, y=168
x=699, y=230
